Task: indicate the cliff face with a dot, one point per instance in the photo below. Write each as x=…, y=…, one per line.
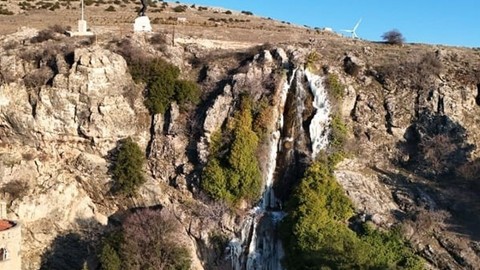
x=62, y=113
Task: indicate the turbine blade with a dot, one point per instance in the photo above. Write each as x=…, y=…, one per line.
x=356, y=25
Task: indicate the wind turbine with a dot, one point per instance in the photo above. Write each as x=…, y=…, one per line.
x=354, y=34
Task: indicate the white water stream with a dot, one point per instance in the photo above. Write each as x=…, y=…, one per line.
x=321, y=121
x=257, y=247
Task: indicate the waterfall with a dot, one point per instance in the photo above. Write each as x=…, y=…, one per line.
x=321, y=119
x=258, y=248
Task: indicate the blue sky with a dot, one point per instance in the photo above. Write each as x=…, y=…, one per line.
x=449, y=22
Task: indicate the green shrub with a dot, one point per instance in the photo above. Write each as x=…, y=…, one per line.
x=186, y=92
x=335, y=87
x=110, y=8
x=109, y=259
x=215, y=181
x=388, y=249
x=237, y=175
x=160, y=78
x=337, y=138
x=315, y=231
x=263, y=118
x=315, y=226
x=162, y=83
x=127, y=168
x=312, y=58
x=316, y=235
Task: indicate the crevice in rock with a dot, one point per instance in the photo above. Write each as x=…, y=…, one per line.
x=440, y=106
x=430, y=95
x=152, y=136
x=82, y=134
x=167, y=120
x=388, y=117
x=70, y=58
x=417, y=104
x=352, y=112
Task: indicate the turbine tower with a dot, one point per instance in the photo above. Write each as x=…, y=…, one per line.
x=352, y=31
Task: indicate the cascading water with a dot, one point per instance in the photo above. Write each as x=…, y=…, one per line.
x=258, y=248
x=263, y=249
x=321, y=120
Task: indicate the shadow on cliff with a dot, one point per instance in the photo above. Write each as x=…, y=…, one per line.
x=434, y=160
x=68, y=251
x=73, y=249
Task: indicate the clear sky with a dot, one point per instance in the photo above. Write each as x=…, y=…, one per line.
x=449, y=22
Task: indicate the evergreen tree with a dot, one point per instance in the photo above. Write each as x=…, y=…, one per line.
x=127, y=168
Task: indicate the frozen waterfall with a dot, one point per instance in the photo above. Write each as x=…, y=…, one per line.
x=321, y=120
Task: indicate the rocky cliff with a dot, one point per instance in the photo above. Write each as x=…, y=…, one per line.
x=63, y=109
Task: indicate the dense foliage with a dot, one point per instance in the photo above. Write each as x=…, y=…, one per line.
x=236, y=174
x=315, y=232
x=316, y=235
x=127, y=168
x=147, y=240
x=163, y=84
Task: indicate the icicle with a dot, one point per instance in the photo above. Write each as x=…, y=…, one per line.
x=320, y=122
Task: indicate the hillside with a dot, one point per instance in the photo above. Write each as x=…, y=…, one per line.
x=243, y=122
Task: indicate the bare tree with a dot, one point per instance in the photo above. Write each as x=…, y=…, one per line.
x=393, y=37
x=151, y=242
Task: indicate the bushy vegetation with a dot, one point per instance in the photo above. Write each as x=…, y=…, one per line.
x=186, y=92
x=316, y=235
x=163, y=84
x=146, y=240
x=393, y=37
x=437, y=146
x=262, y=118
x=235, y=175
x=311, y=59
x=338, y=137
x=127, y=168
x=43, y=35
x=335, y=88
x=180, y=8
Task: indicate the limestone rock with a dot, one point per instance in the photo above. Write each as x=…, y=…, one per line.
x=368, y=194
